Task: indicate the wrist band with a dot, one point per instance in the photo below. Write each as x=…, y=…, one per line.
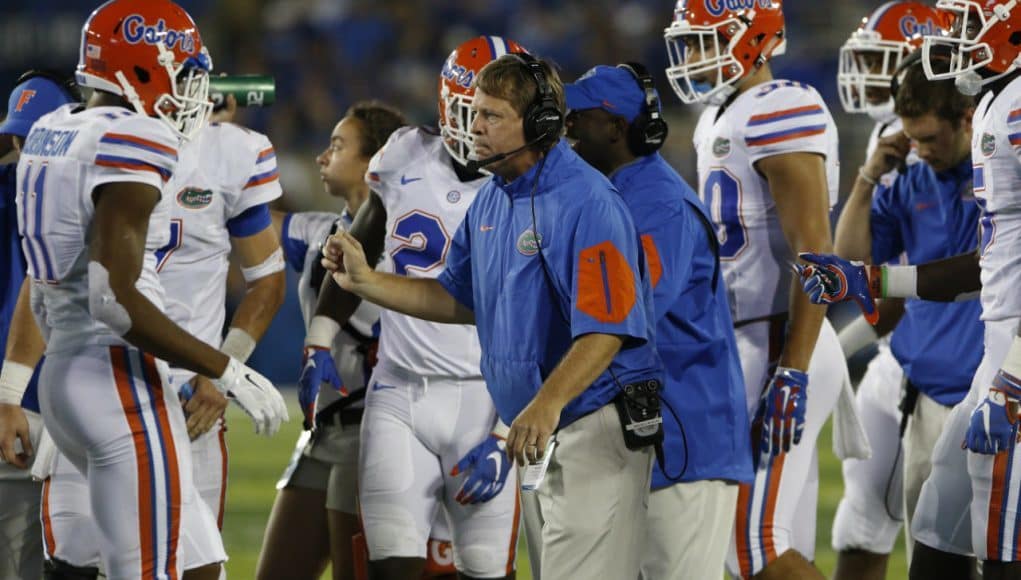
x=321, y=331
x=864, y=176
x=14, y=379
x=899, y=282
x=238, y=344
x=501, y=430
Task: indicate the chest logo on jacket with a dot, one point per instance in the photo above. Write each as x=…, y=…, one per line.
x=528, y=244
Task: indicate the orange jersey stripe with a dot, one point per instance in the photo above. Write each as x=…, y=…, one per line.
x=123, y=380
x=787, y=137
x=770, y=508
x=143, y=142
x=51, y=542
x=164, y=175
x=173, y=477
x=784, y=113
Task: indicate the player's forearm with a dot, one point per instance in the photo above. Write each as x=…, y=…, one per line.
x=587, y=358
x=260, y=304
x=803, y=331
x=950, y=279
x=419, y=297
x=854, y=229
x=335, y=302
x=25, y=343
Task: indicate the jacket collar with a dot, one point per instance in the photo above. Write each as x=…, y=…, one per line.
x=522, y=186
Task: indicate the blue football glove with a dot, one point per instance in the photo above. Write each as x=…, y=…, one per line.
x=781, y=414
x=829, y=279
x=316, y=368
x=487, y=466
x=994, y=423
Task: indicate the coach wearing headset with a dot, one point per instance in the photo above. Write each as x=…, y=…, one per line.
x=616, y=125
x=547, y=264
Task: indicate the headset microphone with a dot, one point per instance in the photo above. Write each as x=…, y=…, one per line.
x=474, y=165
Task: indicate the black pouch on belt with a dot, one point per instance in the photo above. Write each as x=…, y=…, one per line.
x=640, y=415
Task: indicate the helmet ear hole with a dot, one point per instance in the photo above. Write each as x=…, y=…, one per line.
x=142, y=75
x=1015, y=38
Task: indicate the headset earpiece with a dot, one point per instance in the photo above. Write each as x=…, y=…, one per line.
x=543, y=120
x=648, y=132
x=905, y=63
x=67, y=84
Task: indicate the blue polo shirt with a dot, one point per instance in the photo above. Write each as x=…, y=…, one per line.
x=694, y=330
x=929, y=216
x=13, y=270
x=529, y=308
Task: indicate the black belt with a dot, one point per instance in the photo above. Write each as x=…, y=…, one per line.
x=341, y=413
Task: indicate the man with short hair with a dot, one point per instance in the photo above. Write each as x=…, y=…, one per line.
x=547, y=266
x=616, y=124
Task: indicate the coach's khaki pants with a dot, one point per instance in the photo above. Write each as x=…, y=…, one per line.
x=923, y=430
x=590, y=511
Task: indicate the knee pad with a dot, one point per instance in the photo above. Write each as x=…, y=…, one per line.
x=55, y=569
x=480, y=560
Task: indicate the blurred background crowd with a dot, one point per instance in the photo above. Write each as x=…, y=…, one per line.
x=327, y=54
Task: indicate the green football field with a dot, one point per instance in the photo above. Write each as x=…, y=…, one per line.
x=256, y=463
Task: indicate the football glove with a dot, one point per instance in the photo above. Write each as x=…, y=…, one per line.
x=829, y=279
x=781, y=413
x=256, y=396
x=317, y=367
x=487, y=466
x=994, y=423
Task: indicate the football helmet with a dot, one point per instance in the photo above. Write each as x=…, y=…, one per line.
x=457, y=90
x=874, y=51
x=983, y=38
x=713, y=44
x=151, y=54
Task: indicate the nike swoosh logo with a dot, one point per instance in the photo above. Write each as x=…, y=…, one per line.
x=406, y=180
x=497, y=458
x=381, y=386
x=248, y=377
x=486, y=228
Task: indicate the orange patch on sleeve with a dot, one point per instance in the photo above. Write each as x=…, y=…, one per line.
x=606, y=283
x=652, y=258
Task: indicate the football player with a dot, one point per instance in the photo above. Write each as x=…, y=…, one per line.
x=767, y=168
x=977, y=484
x=871, y=510
x=91, y=250
x=225, y=178
x=430, y=436
x=35, y=94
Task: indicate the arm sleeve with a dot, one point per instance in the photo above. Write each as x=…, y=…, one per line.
x=884, y=219
x=607, y=289
x=793, y=119
x=258, y=177
x=666, y=236
x=136, y=149
x=457, y=273
x=302, y=230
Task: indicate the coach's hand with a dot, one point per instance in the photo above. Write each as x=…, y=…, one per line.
x=890, y=153
x=781, y=414
x=317, y=367
x=487, y=466
x=532, y=429
x=14, y=427
x=203, y=407
x=255, y=395
x=829, y=279
x=994, y=423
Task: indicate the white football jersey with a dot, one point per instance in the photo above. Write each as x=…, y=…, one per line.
x=66, y=156
x=770, y=119
x=996, y=155
x=307, y=230
x=223, y=171
x=425, y=204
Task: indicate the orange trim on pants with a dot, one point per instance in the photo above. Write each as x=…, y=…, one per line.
x=173, y=476
x=51, y=542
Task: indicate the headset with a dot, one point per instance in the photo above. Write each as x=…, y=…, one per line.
x=66, y=84
x=648, y=132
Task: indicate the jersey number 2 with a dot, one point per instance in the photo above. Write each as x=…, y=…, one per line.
x=722, y=195
x=424, y=242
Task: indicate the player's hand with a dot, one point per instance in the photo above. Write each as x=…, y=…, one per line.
x=531, y=430
x=317, y=367
x=225, y=114
x=994, y=423
x=256, y=396
x=828, y=279
x=487, y=466
x=14, y=428
x=344, y=257
x=781, y=414
x=203, y=407
x=890, y=153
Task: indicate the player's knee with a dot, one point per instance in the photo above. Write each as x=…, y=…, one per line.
x=481, y=561
x=393, y=535
x=55, y=569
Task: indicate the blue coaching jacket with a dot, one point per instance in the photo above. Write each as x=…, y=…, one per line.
x=13, y=271
x=694, y=330
x=929, y=216
x=528, y=313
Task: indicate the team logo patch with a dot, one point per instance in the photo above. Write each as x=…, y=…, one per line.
x=721, y=147
x=194, y=198
x=528, y=244
x=988, y=144
x=453, y=196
